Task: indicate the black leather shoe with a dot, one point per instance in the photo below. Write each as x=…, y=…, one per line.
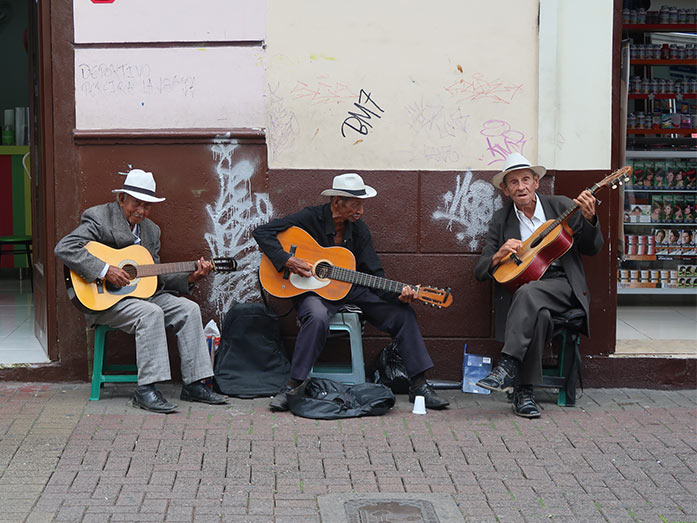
x=431, y=399
x=197, y=391
x=500, y=379
x=524, y=403
x=151, y=399
x=279, y=403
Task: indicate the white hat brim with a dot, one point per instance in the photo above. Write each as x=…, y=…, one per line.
x=369, y=193
x=497, y=180
x=141, y=196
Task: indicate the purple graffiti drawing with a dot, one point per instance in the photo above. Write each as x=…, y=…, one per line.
x=501, y=140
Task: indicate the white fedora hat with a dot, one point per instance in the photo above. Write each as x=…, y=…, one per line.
x=141, y=185
x=351, y=185
x=514, y=162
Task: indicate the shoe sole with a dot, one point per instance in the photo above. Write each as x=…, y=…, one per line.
x=196, y=400
x=494, y=389
x=529, y=416
x=411, y=400
x=149, y=409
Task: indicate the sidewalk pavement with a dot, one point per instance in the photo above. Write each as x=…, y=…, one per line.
x=620, y=455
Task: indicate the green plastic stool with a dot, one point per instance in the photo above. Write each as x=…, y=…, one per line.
x=128, y=372
x=354, y=372
x=567, y=329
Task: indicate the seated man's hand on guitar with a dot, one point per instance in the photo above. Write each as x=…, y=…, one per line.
x=586, y=202
x=117, y=276
x=408, y=294
x=203, y=269
x=298, y=266
x=511, y=246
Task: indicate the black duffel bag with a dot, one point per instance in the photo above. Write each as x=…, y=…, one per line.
x=319, y=398
x=250, y=361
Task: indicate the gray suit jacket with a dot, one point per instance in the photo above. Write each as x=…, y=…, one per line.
x=107, y=224
x=588, y=240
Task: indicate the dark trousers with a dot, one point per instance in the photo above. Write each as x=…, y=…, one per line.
x=529, y=323
x=398, y=320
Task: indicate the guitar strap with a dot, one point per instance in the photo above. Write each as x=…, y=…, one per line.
x=286, y=271
x=265, y=300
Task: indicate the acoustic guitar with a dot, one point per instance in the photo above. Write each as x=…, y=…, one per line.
x=137, y=261
x=548, y=243
x=333, y=273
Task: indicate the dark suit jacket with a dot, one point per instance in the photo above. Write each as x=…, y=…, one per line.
x=107, y=224
x=588, y=240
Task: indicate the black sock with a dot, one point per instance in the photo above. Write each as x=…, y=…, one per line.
x=418, y=380
x=142, y=389
x=292, y=383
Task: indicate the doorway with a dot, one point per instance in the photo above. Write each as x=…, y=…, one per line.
x=21, y=312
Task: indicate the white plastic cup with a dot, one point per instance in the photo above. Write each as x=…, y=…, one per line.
x=419, y=405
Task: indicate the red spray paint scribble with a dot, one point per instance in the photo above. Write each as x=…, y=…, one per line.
x=480, y=89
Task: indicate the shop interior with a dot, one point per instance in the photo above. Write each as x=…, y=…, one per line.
x=657, y=265
x=18, y=344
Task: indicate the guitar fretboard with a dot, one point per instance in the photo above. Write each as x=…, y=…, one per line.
x=366, y=280
x=157, y=269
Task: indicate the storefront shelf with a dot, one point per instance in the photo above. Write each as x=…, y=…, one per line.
x=663, y=96
x=653, y=290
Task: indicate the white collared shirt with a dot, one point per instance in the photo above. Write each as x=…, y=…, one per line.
x=530, y=225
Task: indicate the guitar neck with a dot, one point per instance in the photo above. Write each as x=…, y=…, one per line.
x=565, y=215
x=157, y=269
x=366, y=280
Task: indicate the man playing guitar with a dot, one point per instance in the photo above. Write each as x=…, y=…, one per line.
x=523, y=319
x=338, y=223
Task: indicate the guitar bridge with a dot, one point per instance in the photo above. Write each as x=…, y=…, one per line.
x=516, y=259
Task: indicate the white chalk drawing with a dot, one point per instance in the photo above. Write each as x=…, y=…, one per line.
x=235, y=214
x=470, y=208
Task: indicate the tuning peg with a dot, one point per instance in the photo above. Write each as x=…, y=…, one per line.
x=614, y=186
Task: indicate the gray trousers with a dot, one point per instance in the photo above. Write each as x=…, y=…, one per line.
x=148, y=319
x=529, y=323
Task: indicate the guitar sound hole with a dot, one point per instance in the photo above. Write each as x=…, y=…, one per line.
x=131, y=270
x=322, y=270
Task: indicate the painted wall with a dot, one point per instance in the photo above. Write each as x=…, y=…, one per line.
x=400, y=85
x=575, y=78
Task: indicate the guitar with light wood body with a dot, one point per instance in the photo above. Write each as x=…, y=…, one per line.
x=333, y=273
x=137, y=261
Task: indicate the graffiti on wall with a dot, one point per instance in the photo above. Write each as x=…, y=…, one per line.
x=282, y=123
x=468, y=210
x=501, y=140
x=358, y=122
x=235, y=214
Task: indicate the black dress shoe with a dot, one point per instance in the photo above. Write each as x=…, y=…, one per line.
x=197, y=391
x=501, y=378
x=279, y=403
x=151, y=399
x=524, y=403
x=431, y=399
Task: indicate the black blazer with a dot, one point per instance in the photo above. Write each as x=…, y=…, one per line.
x=588, y=240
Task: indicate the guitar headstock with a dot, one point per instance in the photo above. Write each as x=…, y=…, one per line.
x=224, y=264
x=619, y=177
x=435, y=297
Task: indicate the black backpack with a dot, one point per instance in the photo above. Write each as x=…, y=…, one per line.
x=250, y=361
x=319, y=398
